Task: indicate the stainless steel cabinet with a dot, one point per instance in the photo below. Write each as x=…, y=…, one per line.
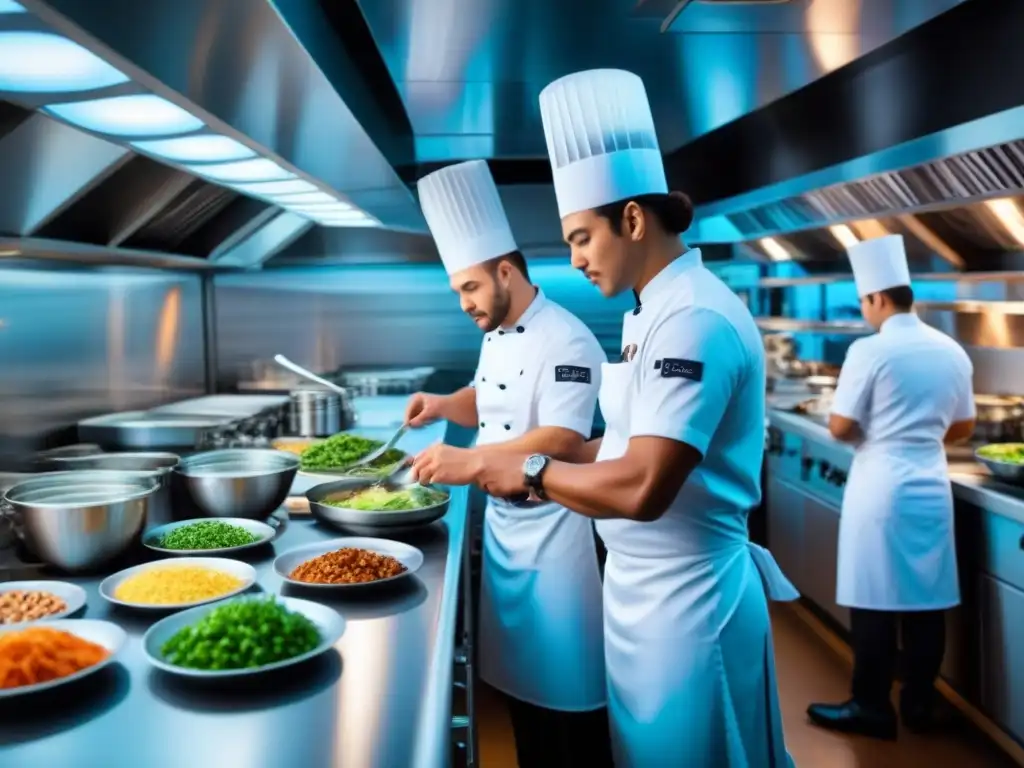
x=821, y=539
x=1002, y=654
x=786, y=529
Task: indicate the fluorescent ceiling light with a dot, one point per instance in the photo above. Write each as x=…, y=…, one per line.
x=774, y=250
x=9, y=6
x=280, y=188
x=257, y=169
x=41, y=62
x=339, y=215
x=318, y=208
x=364, y=222
x=141, y=115
x=844, y=235
x=313, y=198
x=196, y=149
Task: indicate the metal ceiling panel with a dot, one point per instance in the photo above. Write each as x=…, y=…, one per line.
x=321, y=246
x=173, y=224
x=265, y=242
x=45, y=166
x=238, y=65
x=470, y=71
x=943, y=88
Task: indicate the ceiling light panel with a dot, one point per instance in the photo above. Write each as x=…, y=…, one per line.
x=128, y=116
x=291, y=188
x=310, y=198
x=257, y=169
x=207, y=148
x=41, y=62
x=9, y=6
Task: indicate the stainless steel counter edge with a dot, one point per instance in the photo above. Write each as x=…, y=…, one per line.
x=433, y=732
x=970, y=488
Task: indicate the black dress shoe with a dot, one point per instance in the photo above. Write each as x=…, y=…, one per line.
x=852, y=717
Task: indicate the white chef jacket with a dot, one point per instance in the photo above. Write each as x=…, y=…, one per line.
x=540, y=595
x=688, y=648
x=904, y=386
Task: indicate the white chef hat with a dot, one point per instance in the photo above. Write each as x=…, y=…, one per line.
x=601, y=139
x=465, y=216
x=878, y=264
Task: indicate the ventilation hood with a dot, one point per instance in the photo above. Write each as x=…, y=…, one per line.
x=963, y=212
x=241, y=147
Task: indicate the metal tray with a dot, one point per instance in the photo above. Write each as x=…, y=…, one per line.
x=142, y=430
x=235, y=406
x=358, y=520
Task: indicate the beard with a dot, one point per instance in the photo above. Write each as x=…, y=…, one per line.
x=498, y=314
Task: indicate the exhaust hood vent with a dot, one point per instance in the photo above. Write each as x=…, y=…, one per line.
x=190, y=210
x=11, y=116
x=996, y=171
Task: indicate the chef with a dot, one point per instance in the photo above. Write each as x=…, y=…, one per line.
x=535, y=390
x=690, y=665
x=902, y=393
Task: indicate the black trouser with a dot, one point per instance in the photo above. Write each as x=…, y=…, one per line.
x=546, y=737
x=875, y=652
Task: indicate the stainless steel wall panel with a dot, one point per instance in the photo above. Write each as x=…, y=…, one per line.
x=78, y=342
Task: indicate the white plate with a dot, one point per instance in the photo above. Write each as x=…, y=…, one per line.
x=235, y=568
x=407, y=555
x=104, y=633
x=328, y=621
x=72, y=595
x=264, y=531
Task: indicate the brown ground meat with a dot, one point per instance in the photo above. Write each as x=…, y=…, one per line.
x=347, y=566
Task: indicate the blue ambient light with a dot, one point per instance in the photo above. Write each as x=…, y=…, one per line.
x=139, y=115
x=41, y=62
x=196, y=149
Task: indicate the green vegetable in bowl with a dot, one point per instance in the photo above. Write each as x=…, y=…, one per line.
x=345, y=449
x=208, y=534
x=379, y=499
x=1008, y=453
x=242, y=634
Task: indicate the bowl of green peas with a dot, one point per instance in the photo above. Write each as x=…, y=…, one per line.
x=208, y=537
x=241, y=637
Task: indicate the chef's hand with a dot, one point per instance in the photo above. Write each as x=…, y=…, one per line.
x=501, y=476
x=423, y=409
x=445, y=465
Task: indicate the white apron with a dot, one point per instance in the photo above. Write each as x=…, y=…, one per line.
x=688, y=645
x=897, y=550
x=540, y=631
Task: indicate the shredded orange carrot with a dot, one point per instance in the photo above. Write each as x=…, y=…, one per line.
x=40, y=654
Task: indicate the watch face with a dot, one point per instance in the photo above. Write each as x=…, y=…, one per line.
x=534, y=464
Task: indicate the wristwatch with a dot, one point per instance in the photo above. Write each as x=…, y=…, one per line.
x=533, y=473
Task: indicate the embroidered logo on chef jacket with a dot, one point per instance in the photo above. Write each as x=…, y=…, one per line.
x=572, y=373
x=628, y=353
x=676, y=368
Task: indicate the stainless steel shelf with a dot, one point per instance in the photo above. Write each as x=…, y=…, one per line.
x=790, y=325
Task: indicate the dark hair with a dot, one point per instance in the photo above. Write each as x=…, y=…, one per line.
x=901, y=297
x=516, y=259
x=674, y=211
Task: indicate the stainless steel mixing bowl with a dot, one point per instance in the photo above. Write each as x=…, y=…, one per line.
x=248, y=483
x=78, y=521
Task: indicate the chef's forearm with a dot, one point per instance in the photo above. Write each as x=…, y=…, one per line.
x=460, y=407
x=602, y=489
x=587, y=453
x=557, y=442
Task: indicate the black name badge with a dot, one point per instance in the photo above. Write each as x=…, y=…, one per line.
x=572, y=373
x=675, y=368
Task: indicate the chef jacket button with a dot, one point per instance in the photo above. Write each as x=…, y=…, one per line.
x=637, y=311
x=483, y=378
x=482, y=425
x=508, y=426
x=501, y=333
x=520, y=329
x=520, y=373
x=501, y=386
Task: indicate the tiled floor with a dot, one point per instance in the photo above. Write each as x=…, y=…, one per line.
x=808, y=671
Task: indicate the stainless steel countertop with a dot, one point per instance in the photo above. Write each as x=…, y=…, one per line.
x=382, y=700
x=970, y=481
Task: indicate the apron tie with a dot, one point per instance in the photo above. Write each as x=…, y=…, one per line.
x=776, y=585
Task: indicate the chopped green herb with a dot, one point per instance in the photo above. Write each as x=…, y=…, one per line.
x=207, y=534
x=378, y=499
x=1009, y=453
x=344, y=450
x=242, y=634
